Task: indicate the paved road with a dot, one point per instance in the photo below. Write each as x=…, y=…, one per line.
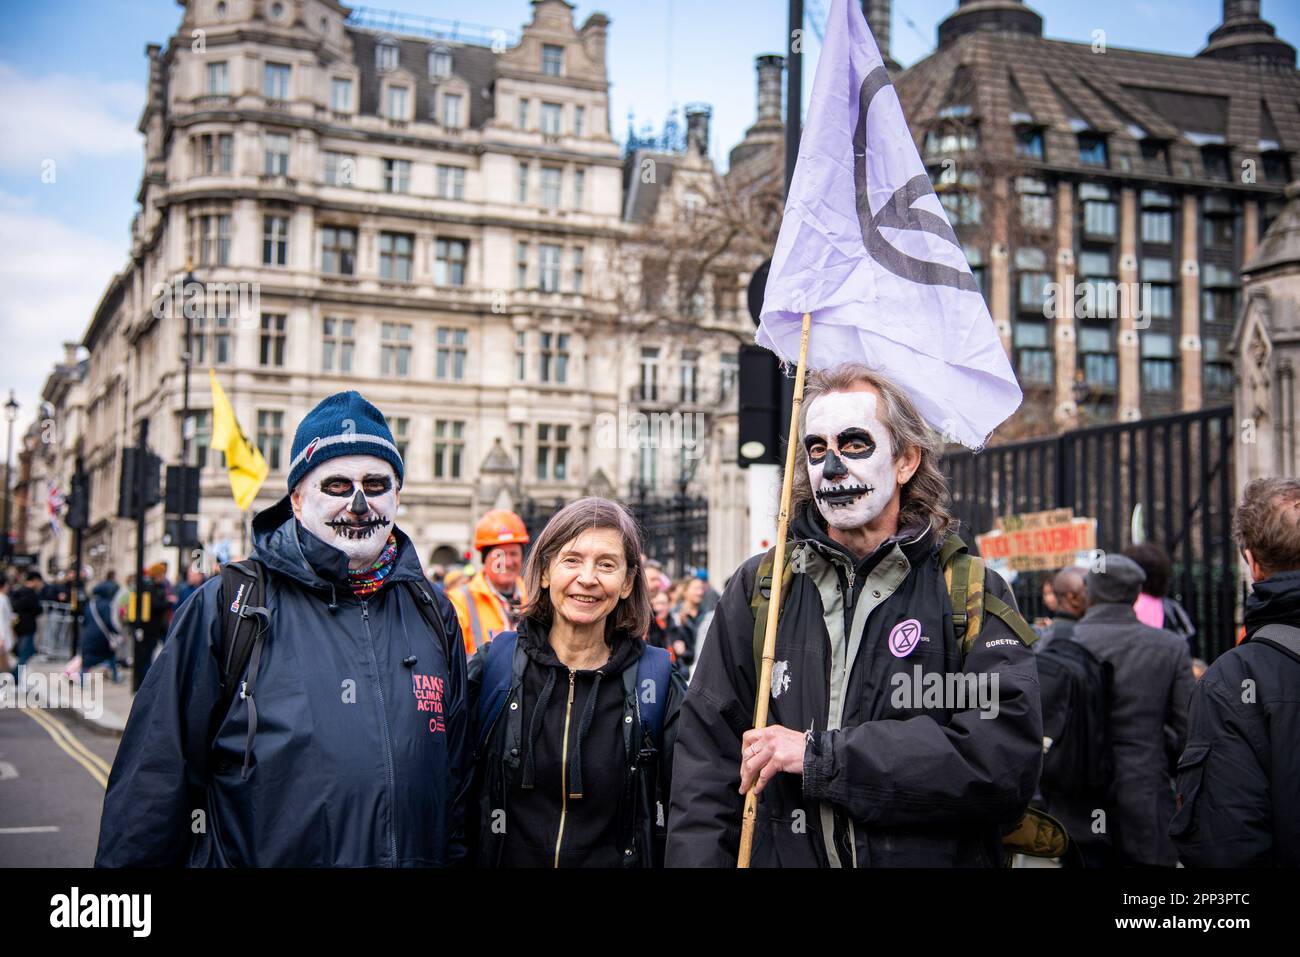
x=53, y=770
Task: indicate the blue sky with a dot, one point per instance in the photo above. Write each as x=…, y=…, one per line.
x=72, y=79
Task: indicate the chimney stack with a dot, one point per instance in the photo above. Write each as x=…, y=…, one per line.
x=771, y=69
x=697, y=127
x=878, y=14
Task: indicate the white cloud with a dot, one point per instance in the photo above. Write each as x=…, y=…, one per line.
x=51, y=278
x=62, y=117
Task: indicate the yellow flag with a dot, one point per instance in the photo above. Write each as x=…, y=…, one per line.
x=247, y=467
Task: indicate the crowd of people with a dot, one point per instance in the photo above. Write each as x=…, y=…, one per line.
x=566, y=703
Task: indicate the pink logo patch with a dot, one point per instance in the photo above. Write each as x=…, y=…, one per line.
x=904, y=637
x=311, y=448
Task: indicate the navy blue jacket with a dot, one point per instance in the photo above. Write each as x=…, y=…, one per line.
x=95, y=644
x=358, y=760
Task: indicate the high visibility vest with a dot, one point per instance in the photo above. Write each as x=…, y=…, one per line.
x=481, y=613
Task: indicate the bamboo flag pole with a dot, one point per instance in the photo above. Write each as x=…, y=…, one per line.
x=763, y=695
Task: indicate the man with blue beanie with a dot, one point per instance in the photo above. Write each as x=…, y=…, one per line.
x=333, y=730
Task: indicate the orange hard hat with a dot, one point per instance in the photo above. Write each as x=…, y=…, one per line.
x=500, y=527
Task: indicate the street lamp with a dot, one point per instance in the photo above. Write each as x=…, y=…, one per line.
x=11, y=413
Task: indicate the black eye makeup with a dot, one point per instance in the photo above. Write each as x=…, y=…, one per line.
x=340, y=486
x=815, y=446
x=856, y=444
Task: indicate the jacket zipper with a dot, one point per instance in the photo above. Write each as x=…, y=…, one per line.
x=564, y=768
x=383, y=727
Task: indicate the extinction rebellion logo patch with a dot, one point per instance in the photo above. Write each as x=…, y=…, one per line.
x=904, y=637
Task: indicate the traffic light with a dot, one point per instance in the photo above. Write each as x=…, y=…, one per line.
x=766, y=394
x=78, y=514
x=182, y=489
x=126, y=497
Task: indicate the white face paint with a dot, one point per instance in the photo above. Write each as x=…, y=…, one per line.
x=850, y=458
x=349, y=502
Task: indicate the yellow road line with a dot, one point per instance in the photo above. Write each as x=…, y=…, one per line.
x=77, y=744
x=48, y=723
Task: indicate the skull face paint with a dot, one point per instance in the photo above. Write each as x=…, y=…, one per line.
x=349, y=502
x=850, y=458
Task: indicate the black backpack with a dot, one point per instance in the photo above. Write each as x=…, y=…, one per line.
x=245, y=621
x=1076, y=689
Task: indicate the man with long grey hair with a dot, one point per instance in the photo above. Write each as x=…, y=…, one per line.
x=902, y=733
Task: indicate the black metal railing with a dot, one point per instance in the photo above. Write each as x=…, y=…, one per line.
x=1178, y=467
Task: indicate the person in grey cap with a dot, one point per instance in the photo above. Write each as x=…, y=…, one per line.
x=1148, y=725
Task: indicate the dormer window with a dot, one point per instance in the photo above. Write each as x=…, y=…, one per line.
x=552, y=59
x=1092, y=150
x=453, y=116
x=1215, y=160
x=386, y=56
x=398, y=98
x=439, y=63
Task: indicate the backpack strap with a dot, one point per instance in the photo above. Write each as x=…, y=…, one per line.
x=654, y=671
x=1283, y=638
x=964, y=575
x=761, y=600
x=245, y=622
x=428, y=611
x=498, y=675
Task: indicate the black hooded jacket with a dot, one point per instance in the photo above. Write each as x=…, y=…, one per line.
x=1239, y=778
x=359, y=759
x=562, y=779
x=888, y=780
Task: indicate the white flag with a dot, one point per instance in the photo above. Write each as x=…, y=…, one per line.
x=866, y=247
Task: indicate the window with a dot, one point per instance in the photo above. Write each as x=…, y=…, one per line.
x=439, y=63
x=272, y=353
x=218, y=79
x=211, y=339
x=1277, y=167
x=521, y=265
x=338, y=344
x=452, y=117
x=1100, y=215
x=395, y=349
x=210, y=239
x=1155, y=154
x=1215, y=161
x=1100, y=365
x=1218, y=305
x=654, y=284
x=340, y=169
x=397, y=102
x=548, y=260
x=1218, y=228
x=552, y=59
x=579, y=188
x=523, y=112
x=1157, y=362
x=451, y=182
x=728, y=373
x=551, y=187
x=214, y=153
x=523, y=182
x=270, y=437
x=448, y=448
x=395, y=256
x=1217, y=373
x=277, y=154
x=338, y=250
x=275, y=240
x=397, y=176
x=1094, y=264
x=1036, y=208
x=1159, y=302
x=579, y=121
x=450, y=354
x=961, y=201
x=952, y=140
x=521, y=361
x=385, y=55
x=553, y=357
x=450, y=256
x=1092, y=150
x=551, y=113
x=649, y=374
x=1157, y=226
x=401, y=429
x=1029, y=143
x=1033, y=353
x=275, y=85
x=578, y=272
x=552, y=452
x=341, y=94
x=1033, y=291
x=201, y=452
x=690, y=376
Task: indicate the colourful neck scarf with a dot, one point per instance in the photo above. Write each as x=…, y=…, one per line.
x=367, y=581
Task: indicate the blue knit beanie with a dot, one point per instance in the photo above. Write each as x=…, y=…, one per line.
x=342, y=424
